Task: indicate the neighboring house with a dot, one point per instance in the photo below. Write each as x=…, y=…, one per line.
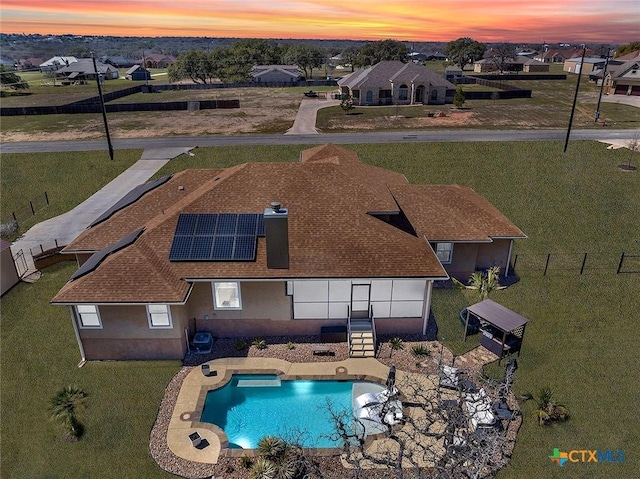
x=435, y=56
x=203, y=250
x=30, y=63
x=137, y=73
x=8, y=62
x=396, y=83
x=55, y=63
x=417, y=57
x=586, y=67
x=623, y=79
x=157, y=60
x=519, y=64
x=84, y=70
x=8, y=271
x=559, y=55
x=275, y=74
x=117, y=61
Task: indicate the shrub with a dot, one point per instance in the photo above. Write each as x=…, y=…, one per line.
x=291, y=346
x=259, y=343
x=240, y=345
x=420, y=351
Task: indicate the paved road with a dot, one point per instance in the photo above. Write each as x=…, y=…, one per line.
x=315, y=139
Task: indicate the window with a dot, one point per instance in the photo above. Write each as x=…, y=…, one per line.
x=403, y=93
x=89, y=316
x=227, y=295
x=444, y=252
x=159, y=316
x=434, y=94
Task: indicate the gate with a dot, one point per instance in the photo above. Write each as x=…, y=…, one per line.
x=21, y=263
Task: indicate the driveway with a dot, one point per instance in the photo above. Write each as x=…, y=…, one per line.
x=305, y=122
x=66, y=227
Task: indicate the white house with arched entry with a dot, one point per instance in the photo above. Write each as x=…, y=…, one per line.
x=397, y=83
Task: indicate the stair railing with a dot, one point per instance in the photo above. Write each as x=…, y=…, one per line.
x=349, y=328
x=373, y=331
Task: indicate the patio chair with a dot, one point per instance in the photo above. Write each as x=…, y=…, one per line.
x=195, y=439
x=206, y=369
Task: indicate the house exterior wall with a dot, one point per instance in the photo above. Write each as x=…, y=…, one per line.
x=125, y=334
x=8, y=272
x=469, y=257
x=536, y=68
x=275, y=77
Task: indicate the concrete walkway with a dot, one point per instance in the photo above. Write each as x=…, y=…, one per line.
x=66, y=227
x=305, y=122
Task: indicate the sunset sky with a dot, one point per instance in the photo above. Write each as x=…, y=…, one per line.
x=615, y=21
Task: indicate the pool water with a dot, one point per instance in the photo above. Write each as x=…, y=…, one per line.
x=252, y=406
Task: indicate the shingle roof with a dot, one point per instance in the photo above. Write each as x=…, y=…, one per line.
x=381, y=74
x=330, y=196
x=453, y=213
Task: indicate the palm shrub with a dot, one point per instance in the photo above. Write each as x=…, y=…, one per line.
x=395, y=344
x=484, y=283
x=263, y=468
x=63, y=409
x=271, y=447
x=548, y=410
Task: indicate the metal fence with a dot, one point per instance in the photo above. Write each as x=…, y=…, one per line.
x=577, y=263
x=23, y=214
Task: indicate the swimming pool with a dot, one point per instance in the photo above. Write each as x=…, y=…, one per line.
x=252, y=406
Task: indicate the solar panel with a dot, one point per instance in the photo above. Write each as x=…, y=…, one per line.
x=206, y=225
x=227, y=224
x=180, y=248
x=186, y=224
x=222, y=248
x=244, y=248
x=201, y=248
x=247, y=224
x=216, y=237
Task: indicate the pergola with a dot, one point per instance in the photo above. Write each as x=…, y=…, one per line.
x=502, y=329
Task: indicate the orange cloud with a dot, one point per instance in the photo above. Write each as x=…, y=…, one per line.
x=509, y=20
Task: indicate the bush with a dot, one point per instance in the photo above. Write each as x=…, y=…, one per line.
x=420, y=351
x=241, y=345
x=259, y=343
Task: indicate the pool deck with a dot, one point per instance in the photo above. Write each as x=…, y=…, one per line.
x=185, y=418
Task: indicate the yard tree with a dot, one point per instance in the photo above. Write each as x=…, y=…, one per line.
x=374, y=52
x=458, y=97
x=63, y=407
x=304, y=56
x=257, y=51
x=464, y=50
x=628, y=48
x=12, y=80
x=501, y=54
x=197, y=65
x=347, y=104
x=349, y=55
x=434, y=440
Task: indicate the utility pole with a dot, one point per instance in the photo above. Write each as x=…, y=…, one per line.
x=575, y=99
x=104, y=110
x=604, y=76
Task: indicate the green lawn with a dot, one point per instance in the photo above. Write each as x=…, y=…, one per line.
x=581, y=339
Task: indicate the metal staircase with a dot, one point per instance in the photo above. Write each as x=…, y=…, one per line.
x=362, y=336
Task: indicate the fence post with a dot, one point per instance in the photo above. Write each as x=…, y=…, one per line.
x=546, y=266
x=515, y=260
x=620, y=264
x=14, y=216
x=584, y=261
x=33, y=212
x=46, y=197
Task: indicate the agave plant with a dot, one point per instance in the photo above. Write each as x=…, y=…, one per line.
x=263, y=468
x=63, y=409
x=547, y=409
x=271, y=447
x=395, y=344
x=420, y=350
x=259, y=343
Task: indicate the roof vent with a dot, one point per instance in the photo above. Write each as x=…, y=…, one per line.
x=275, y=206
